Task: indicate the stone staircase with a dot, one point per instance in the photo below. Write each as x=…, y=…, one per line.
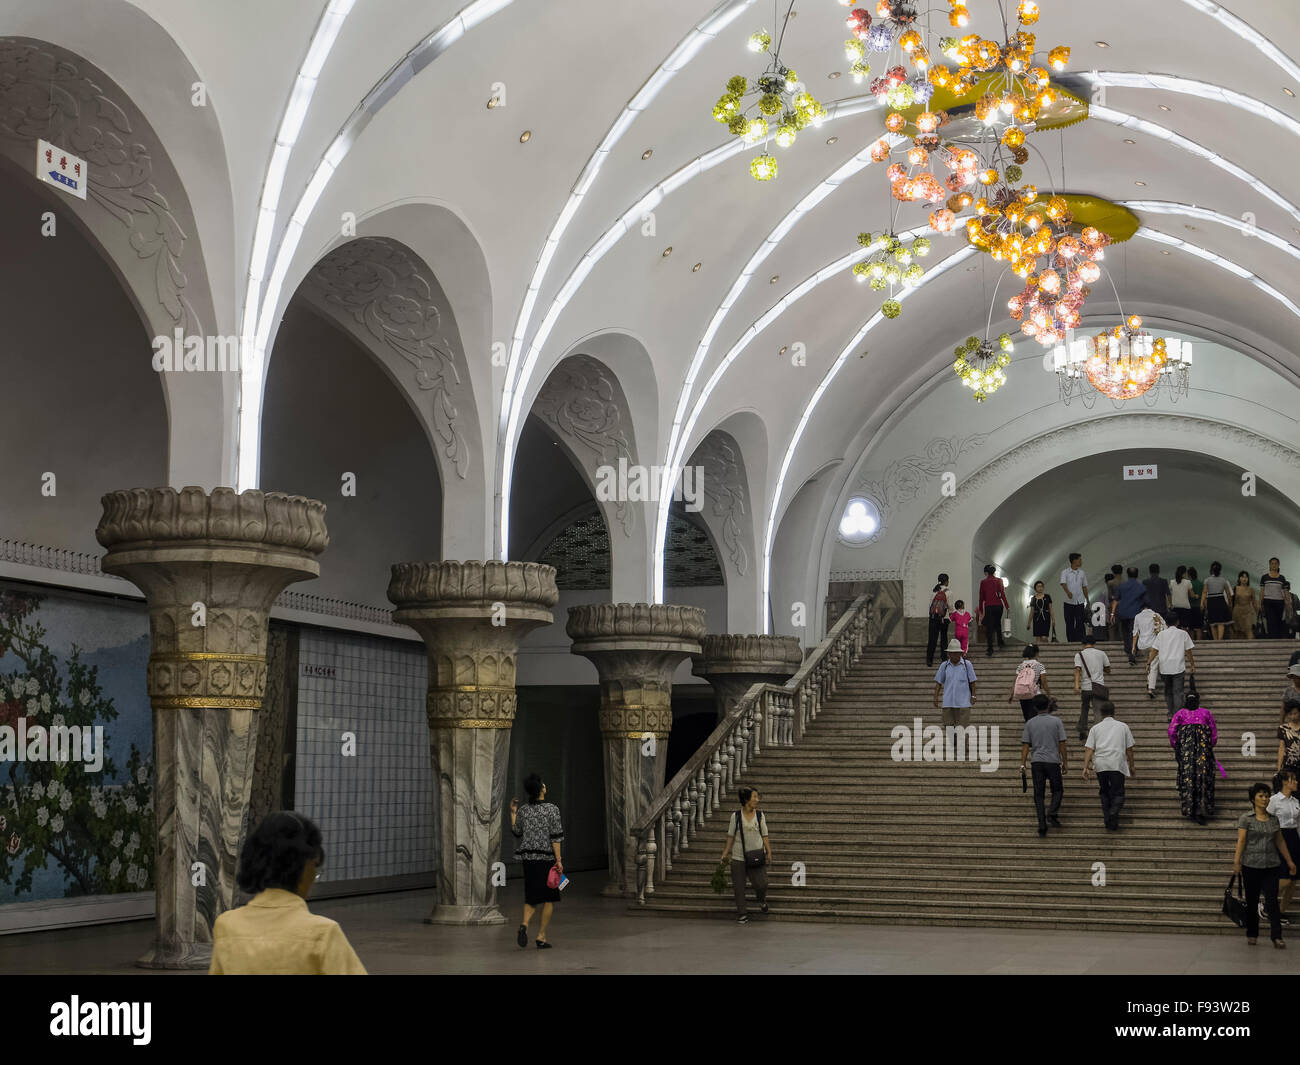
x=944, y=843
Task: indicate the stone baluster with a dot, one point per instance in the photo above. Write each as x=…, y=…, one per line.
x=635, y=647
x=210, y=566
x=759, y=715
x=471, y=616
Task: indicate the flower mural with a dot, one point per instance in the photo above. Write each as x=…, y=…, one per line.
x=59, y=815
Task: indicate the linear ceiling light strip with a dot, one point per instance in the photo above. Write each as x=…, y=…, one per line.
x=263, y=311
x=1247, y=33
x=1144, y=231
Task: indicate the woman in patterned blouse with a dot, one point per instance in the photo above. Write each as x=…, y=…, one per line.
x=538, y=829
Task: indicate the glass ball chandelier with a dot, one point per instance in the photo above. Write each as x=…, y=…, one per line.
x=893, y=266
x=778, y=106
x=979, y=364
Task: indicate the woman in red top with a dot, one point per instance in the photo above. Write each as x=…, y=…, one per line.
x=993, y=601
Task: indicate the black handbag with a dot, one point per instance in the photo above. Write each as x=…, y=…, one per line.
x=753, y=859
x=1234, y=906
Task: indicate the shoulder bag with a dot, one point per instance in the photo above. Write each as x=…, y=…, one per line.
x=753, y=859
x=1234, y=906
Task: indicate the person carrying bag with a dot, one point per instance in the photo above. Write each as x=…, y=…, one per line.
x=748, y=862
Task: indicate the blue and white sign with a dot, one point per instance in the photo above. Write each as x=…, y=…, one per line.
x=54, y=166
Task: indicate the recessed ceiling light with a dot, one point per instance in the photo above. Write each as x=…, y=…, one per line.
x=668, y=251
x=1185, y=226
x=969, y=269
x=831, y=140
x=1289, y=92
x=1165, y=107
x=1102, y=44
x=774, y=279
x=647, y=153
x=784, y=349
x=493, y=102
x=525, y=136
x=1142, y=183
x=1128, y=140
x=833, y=75
x=1164, y=251
x=696, y=267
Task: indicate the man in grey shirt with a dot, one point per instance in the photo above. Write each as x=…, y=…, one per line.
x=1044, y=736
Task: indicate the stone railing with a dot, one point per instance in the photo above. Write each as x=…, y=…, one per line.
x=768, y=714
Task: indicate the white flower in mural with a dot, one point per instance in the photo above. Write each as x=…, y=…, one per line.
x=38, y=790
x=42, y=815
x=141, y=877
x=52, y=788
x=131, y=804
x=57, y=719
x=135, y=839
x=129, y=849
x=56, y=824
x=130, y=874
x=84, y=697
x=65, y=801
x=32, y=686
x=142, y=775
x=114, y=867
x=33, y=707
x=117, y=838
x=45, y=700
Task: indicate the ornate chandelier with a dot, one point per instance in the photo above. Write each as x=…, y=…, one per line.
x=1122, y=363
x=979, y=364
x=778, y=109
x=894, y=264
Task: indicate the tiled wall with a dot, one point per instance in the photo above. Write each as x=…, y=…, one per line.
x=376, y=808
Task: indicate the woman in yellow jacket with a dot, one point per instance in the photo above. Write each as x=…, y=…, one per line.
x=275, y=934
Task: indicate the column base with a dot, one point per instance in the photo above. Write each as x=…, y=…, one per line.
x=183, y=956
x=465, y=915
x=613, y=891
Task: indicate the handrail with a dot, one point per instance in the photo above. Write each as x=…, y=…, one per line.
x=771, y=714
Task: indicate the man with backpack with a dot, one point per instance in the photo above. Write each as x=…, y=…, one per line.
x=955, y=683
x=938, y=619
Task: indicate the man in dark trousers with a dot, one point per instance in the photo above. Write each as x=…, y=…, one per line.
x=1044, y=739
x=1108, y=751
x=1074, y=583
x=1130, y=598
x=938, y=637
x=1157, y=590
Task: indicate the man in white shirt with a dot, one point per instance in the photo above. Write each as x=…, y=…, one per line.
x=1173, y=648
x=1108, y=751
x=1146, y=626
x=1074, y=582
x=1090, y=667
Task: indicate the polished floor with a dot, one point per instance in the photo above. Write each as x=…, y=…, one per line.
x=596, y=935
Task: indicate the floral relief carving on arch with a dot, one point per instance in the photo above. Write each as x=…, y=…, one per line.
x=385, y=290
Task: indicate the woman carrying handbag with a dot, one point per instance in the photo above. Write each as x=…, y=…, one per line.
x=538, y=829
x=750, y=852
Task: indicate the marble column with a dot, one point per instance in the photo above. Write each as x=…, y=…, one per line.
x=210, y=566
x=636, y=648
x=471, y=616
x=732, y=664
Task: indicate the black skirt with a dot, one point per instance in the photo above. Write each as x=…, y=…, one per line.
x=536, y=891
x=1219, y=612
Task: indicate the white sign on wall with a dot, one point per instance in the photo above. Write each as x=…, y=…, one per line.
x=1140, y=473
x=54, y=166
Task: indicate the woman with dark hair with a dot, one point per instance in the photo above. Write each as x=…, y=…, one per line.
x=275, y=934
x=1041, y=614
x=1272, y=600
x=1029, y=682
x=1193, y=734
x=745, y=829
x=1259, y=842
x=1180, y=592
x=1216, y=600
x=538, y=829
x=1244, y=607
x=992, y=602
x=938, y=635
